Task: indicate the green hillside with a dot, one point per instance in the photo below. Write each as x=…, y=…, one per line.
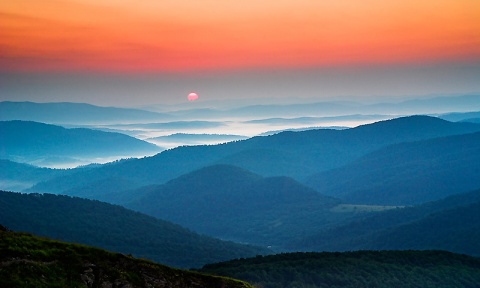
x=115, y=228
x=30, y=261
x=354, y=269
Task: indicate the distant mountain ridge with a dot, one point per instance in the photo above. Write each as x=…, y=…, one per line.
x=473, y=117
x=26, y=141
x=316, y=120
x=73, y=113
x=335, y=108
x=194, y=138
x=465, y=116
x=19, y=176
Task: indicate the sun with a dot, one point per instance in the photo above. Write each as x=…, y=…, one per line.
x=192, y=96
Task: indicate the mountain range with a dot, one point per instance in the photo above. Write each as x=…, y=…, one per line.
x=81, y=113
x=427, y=105
x=33, y=142
x=406, y=173
x=74, y=113
x=251, y=190
x=195, y=139
x=293, y=154
x=231, y=203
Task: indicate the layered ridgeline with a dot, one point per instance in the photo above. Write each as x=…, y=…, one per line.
x=232, y=203
x=406, y=173
x=115, y=228
x=19, y=176
x=293, y=154
x=39, y=143
x=74, y=113
x=16, y=176
x=463, y=117
x=30, y=261
x=451, y=224
x=355, y=269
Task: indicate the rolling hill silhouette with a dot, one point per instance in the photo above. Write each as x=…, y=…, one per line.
x=231, y=203
x=406, y=173
x=450, y=224
x=292, y=154
x=25, y=141
x=74, y=113
x=114, y=228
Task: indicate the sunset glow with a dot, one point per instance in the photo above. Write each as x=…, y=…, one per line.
x=179, y=35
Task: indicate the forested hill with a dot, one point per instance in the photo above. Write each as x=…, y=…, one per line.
x=355, y=269
x=232, y=203
x=116, y=229
x=452, y=224
x=406, y=173
x=293, y=154
x=30, y=261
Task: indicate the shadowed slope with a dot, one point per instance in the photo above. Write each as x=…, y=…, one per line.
x=231, y=203
x=114, y=228
x=407, y=173
x=355, y=269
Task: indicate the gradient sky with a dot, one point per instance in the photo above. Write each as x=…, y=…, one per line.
x=45, y=46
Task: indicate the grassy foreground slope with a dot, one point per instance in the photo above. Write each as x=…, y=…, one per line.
x=30, y=261
x=354, y=269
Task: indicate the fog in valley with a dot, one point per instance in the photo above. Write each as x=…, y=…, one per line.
x=170, y=126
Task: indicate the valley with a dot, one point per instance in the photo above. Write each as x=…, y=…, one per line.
x=394, y=183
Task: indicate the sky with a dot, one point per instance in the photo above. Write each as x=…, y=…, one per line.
x=132, y=53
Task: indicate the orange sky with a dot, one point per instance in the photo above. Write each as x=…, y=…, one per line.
x=181, y=35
